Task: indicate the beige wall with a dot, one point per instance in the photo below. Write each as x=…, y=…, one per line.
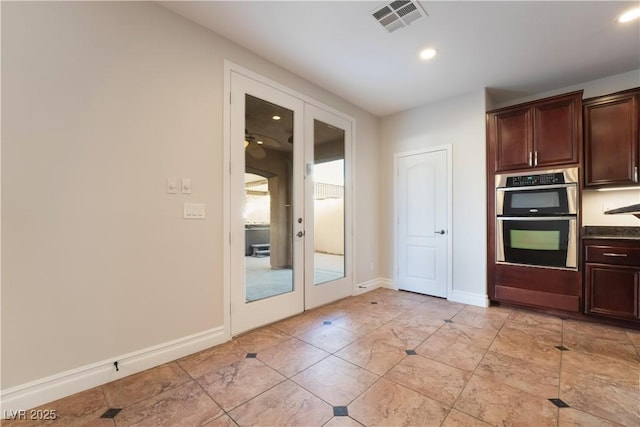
x=460, y=122
x=101, y=102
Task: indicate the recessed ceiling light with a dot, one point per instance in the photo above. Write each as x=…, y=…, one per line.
x=629, y=15
x=259, y=142
x=428, y=53
x=276, y=117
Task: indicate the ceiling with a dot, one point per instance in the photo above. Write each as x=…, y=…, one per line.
x=514, y=48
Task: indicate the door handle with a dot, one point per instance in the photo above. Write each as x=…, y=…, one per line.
x=300, y=233
x=440, y=232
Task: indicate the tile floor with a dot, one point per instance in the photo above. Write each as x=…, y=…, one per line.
x=386, y=358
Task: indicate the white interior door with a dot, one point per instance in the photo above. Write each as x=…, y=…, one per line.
x=423, y=221
x=266, y=204
x=328, y=272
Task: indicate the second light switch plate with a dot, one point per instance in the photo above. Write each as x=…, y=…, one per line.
x=186, y=185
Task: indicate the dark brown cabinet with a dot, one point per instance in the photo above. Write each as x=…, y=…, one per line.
x=612, y=278
x=543, y=133
x=612, y=143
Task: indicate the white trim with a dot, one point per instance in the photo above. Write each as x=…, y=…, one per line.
x=230, y=66
x=226, y=201
x=44, y=390
x=369, y=285
x=470, y=298
x=448, y=148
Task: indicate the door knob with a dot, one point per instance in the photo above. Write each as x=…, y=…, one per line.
x=440, y=232
x=300, y=233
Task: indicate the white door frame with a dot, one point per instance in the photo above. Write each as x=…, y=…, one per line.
x=448, y=148
x=230, y=67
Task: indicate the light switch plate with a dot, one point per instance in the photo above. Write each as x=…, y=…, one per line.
x=194, y=211
x=172, y=185
x=186, y=185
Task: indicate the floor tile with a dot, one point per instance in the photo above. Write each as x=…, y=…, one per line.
x=222, y=421
x=481, y=317
x=301, y=323
x=342, y=422
x=600, y=387
x=80, y=409
x=287, y=404
x=329, y=338
x=596, y=329
x=528, y=376
x=360, y=322
x=145, y=384
x=452, y=346
x=378, y=352
x=436, y=380
x=634, y=337
x=500, y=404
x=261, y=339
x=536, y=319
x=602, y=346
x=238, y=382
x=291, y=356
x=460, y=419
x=185, y=405
x=571, y=417
x=390, y=404
x=529, y=343
x=212, y=359
x=336, y=381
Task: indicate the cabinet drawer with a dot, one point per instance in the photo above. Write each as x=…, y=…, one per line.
x=613, y=255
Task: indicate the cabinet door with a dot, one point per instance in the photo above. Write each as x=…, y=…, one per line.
x=612, y=291
x=556, y=132
x=611, y=140
x=512, y=133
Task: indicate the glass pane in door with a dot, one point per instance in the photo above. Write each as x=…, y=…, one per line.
x=328, y=203
x=268, y=218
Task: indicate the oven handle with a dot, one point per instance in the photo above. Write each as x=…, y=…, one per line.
x=537, y=218
x=537, y=187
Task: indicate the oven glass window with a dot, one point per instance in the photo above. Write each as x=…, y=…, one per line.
x=535, y=199
x=553, y=201
x=536, y=242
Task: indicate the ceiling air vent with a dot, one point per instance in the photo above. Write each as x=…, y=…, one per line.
x=398, y=14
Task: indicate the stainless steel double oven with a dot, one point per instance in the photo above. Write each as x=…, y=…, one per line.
x=537, y=219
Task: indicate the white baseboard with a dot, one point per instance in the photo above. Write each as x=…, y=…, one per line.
x=470, y=298
x=39, y=392
x=369, y=285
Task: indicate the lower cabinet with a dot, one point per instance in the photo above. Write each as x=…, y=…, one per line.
x=612, y=279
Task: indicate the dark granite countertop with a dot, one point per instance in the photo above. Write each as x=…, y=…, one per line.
x=610, y=232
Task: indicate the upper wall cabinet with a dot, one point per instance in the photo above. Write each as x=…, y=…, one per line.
x=611, y=139
x=536, y=134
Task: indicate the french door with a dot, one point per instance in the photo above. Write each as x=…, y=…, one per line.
x=328, y=275
x=289, y=205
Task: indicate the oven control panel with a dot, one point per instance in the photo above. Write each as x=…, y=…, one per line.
x=540, y=179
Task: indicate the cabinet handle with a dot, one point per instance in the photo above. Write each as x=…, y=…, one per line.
x=530, y=155
x=614, y=254
x=535, y=159
x=635, y=174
